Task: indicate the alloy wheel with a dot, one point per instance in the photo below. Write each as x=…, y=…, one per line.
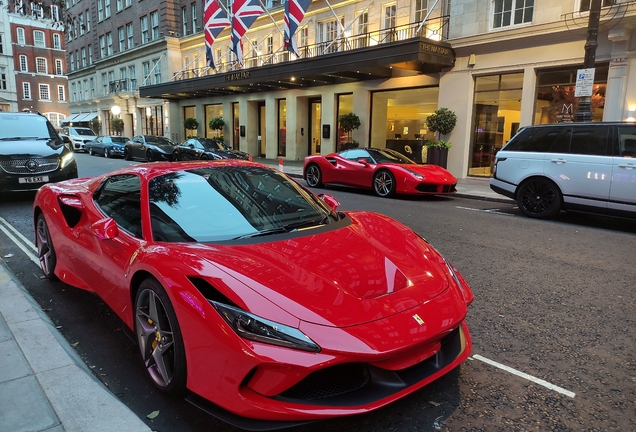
x=44, y=245
x=314, y=176
x=384, y=183
x=539, y=198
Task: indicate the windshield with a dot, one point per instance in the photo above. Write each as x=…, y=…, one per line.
x=22, y=126
x=119, y=140
x=211, y=144
x=158, y=140
x=389, y=156
x=224, y=203
x=85, y=132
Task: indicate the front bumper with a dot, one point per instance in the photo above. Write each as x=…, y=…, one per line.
x=11, y=182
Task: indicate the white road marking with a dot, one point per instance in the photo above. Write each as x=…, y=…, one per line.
x=525, y=376
x=23, y=243
x=493, y=211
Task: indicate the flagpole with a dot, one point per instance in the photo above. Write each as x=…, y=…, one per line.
x=426, y=17
x=348, y=27
x=271, y=18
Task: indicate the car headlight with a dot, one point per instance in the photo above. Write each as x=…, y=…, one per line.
x=66, y=159
x=252, y=327
x=415, y=174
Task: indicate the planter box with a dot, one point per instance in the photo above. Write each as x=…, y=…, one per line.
x=437, y=156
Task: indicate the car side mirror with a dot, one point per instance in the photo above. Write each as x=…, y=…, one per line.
x=329, y=200
x=65, y=139
x=105, y=229
x=363, y=162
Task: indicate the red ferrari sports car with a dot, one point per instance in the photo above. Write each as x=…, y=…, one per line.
x=385, y=171
x=246, y=290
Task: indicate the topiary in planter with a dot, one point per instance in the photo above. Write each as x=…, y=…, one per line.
x=348, y=123
x=191, y=124
x=117, y=124
x=443, y=121
x=216, y=124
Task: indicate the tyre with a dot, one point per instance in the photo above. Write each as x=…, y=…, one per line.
x=90, y=151
x=204, y=157
x=127, y=154
x=313, y=176
x=384, y=183
x=149, y=156
x=44, y=246
x=159, y=337
x=106, y=153
x=539, y=198
x=174, y=157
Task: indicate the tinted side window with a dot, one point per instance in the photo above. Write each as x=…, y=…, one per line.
x=590, y=141
x=627, y=141
x=120, y=198
x=540, y=140
x=358, y=154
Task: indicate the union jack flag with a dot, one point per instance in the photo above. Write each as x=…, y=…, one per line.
x=215, y=20
x=244, y=13
x=295, y=11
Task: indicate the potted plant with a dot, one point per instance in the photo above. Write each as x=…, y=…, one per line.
x=191, y=124
x=96, y=125
x=348, y=123
x=443, y=122
x=117, y=125
x=217, y=124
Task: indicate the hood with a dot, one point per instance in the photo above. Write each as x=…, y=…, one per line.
x=371, y=269
x=21, y=149
x=432, y=172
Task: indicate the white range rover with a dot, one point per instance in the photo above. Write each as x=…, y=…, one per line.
x=587, y=167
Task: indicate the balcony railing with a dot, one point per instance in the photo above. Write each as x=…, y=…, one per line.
x=435, y=28
x=122, y=85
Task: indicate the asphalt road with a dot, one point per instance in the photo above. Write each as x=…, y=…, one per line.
x=554, y=309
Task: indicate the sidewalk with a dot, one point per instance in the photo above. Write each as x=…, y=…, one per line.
x=45, y=386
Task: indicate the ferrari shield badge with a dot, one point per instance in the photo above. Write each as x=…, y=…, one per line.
x=419, y=320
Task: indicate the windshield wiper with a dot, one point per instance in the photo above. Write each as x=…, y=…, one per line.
x=268, y=231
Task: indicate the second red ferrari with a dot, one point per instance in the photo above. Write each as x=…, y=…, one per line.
x=385, y=171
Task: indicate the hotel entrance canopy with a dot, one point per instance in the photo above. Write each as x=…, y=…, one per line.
x=401, y=58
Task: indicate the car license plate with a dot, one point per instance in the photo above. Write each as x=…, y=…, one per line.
x=39, y=179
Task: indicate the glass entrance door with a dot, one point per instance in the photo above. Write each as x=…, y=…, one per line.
x=315, y=120
x=262, y=146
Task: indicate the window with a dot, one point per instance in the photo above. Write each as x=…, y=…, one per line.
x=119, y=5
x=154, y=22
x=37, y=11
x=104, y=84
x=55, y=12
x=100, y=10
x=79, y=91
x=585, y=4
x=106, y=8
x=127, y=3
x=73, y=93
x=58, y=67
x=120, y=199
x=507, y=13
x=61, y=93
x=20, y=33
x=304, y=36
x=193, y=8
x=144, y=29
x=102, y=46
x=44, y=92
x=71, y=61
x=83, y=51
x=92, y=81
x=421, y=8
x=269, y=45
x=23, y=63
x=88, y=21
x=3, y=78
x=184, y=20
x=57, y=41
x=90, y=55
x=146, y=66
x=389, y=16
x=85, y=89
x=38, y=39
x=129, y=35
x=157, y=70
x=109, y=43
x=81, y=24
x=40, y=65
x=1, y=44
x=26, y=90
x=122, y=39
x=133, y=80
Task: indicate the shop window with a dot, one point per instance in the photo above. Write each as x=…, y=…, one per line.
x=213, y=111
x=345, y=106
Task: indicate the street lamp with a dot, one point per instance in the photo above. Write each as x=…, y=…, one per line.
x=584, y=109
x=115, y=109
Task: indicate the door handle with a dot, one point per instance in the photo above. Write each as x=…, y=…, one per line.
x=627, y=166
x=558, y=161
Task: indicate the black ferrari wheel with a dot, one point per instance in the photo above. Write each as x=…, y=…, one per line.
x=313, y=176
x=106, y=153
x=539, y=198
x=174, y=157
x=44, y=245
x=159, y=338
x=384, y=183
x=149, y=156
x=127, y=154
x=204, y=157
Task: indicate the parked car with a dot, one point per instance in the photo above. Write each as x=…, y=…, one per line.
x=587, y=167
x=231, y=275
x=385, y=171
x=149, y=148
x=205, y=148
x=107, y=145
x=79, y=136
x=32, y=153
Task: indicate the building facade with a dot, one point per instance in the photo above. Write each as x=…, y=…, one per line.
x=498, y=65
x=8, y=92
x=38, y=60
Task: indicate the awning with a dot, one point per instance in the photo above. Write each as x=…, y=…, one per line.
x=81, y=117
